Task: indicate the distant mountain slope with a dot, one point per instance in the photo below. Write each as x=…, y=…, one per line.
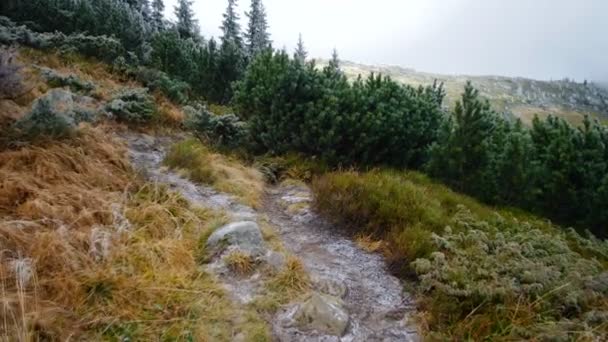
x=519, y=97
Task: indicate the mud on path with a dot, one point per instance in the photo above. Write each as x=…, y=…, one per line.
x=377, y=306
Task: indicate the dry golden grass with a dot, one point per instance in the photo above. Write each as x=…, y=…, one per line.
x=368, y=243
x=91, y=253
x=240, y=262
x=107, y=82
x=223, y=173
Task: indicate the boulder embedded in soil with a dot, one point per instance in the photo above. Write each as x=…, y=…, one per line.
x=323, y=313
x=245, y=236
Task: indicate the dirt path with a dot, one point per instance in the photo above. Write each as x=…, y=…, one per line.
x=379, y=309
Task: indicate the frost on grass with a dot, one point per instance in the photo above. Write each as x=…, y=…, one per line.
x=512, y=266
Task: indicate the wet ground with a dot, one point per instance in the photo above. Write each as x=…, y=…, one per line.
x=378, y=307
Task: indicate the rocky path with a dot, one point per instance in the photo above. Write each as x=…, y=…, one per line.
x=351, y=287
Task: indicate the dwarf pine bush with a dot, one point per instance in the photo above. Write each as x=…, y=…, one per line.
x=486, y=269
x=102, y=47
x=293, y=106
x=132, y=105
x=56, y=79
x=222, y=130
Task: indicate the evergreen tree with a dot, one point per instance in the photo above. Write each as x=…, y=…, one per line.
x=187, y=25
x=300, y=54
x=257, y=36
x=334, y=63
x=231, y=63
x=231, y=28
x=158, y=9
x=462, y=154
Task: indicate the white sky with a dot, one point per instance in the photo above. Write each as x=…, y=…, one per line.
x=546, y=39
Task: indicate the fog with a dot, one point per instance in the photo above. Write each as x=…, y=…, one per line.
x=543, y=39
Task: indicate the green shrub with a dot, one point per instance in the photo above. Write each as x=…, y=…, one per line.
x=56, y=79
x=176, y=91
x=221, y=130
x=132, y=105
x=510, y=279
x=53, y=115
x=102, y=47
x=483, y=274
x=293, y=106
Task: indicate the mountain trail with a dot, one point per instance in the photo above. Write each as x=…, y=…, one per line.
x=377, y=307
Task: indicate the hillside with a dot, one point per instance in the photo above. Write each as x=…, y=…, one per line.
x=519, y=97
x=158, y=186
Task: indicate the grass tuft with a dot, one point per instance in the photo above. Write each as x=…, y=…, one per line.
x=223, y=173
x=240, y=262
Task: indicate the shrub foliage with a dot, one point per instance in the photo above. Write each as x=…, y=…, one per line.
x=293, y=106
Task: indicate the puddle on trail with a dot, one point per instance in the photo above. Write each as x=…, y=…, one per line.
x=379, y=309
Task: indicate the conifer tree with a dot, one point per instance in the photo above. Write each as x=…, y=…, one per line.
x=231, y=28
x=334, y=63
x=257, y=36
x=158, y=8
x=187, y=25
x=300, y=54
x=231, y=57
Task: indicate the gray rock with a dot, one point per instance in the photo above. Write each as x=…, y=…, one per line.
x=323, y=313
x=331, y=287
x=245, y=236
x=275, y=260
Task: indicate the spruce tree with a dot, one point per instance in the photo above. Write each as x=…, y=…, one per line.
x=301, y=54
x=334, y=63
x=158, y=21
x=187, y=25
x=257, y=36
x=231, y=57
x=231, y=29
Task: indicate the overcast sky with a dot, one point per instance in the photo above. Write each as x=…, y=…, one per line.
x=544, y=39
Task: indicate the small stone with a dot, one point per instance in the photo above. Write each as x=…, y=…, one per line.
x=245, y=235
x=275, y=260
x=323, y=313
x=331, y=287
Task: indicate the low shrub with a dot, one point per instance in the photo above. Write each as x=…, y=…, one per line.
x=104, y=47
x=484, y=274
x=220, y=130
x=133, y=105
x=56, y=114
x=75, y=83
x=155, y=80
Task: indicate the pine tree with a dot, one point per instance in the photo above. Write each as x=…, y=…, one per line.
x=231, y=29
x=231, y=63
x=300, y=54
x=187, y=25
x=158, y=21
x=334, y=63
x=257, y=36
x=463, y=152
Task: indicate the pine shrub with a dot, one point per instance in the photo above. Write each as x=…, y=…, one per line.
x=221, y=130
x=132, y=105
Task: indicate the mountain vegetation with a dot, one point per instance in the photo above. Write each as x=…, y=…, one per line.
x=484, y=267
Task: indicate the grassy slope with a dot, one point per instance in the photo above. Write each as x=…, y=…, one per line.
x=92, y=252
x=494, y=273
x=504, y=93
